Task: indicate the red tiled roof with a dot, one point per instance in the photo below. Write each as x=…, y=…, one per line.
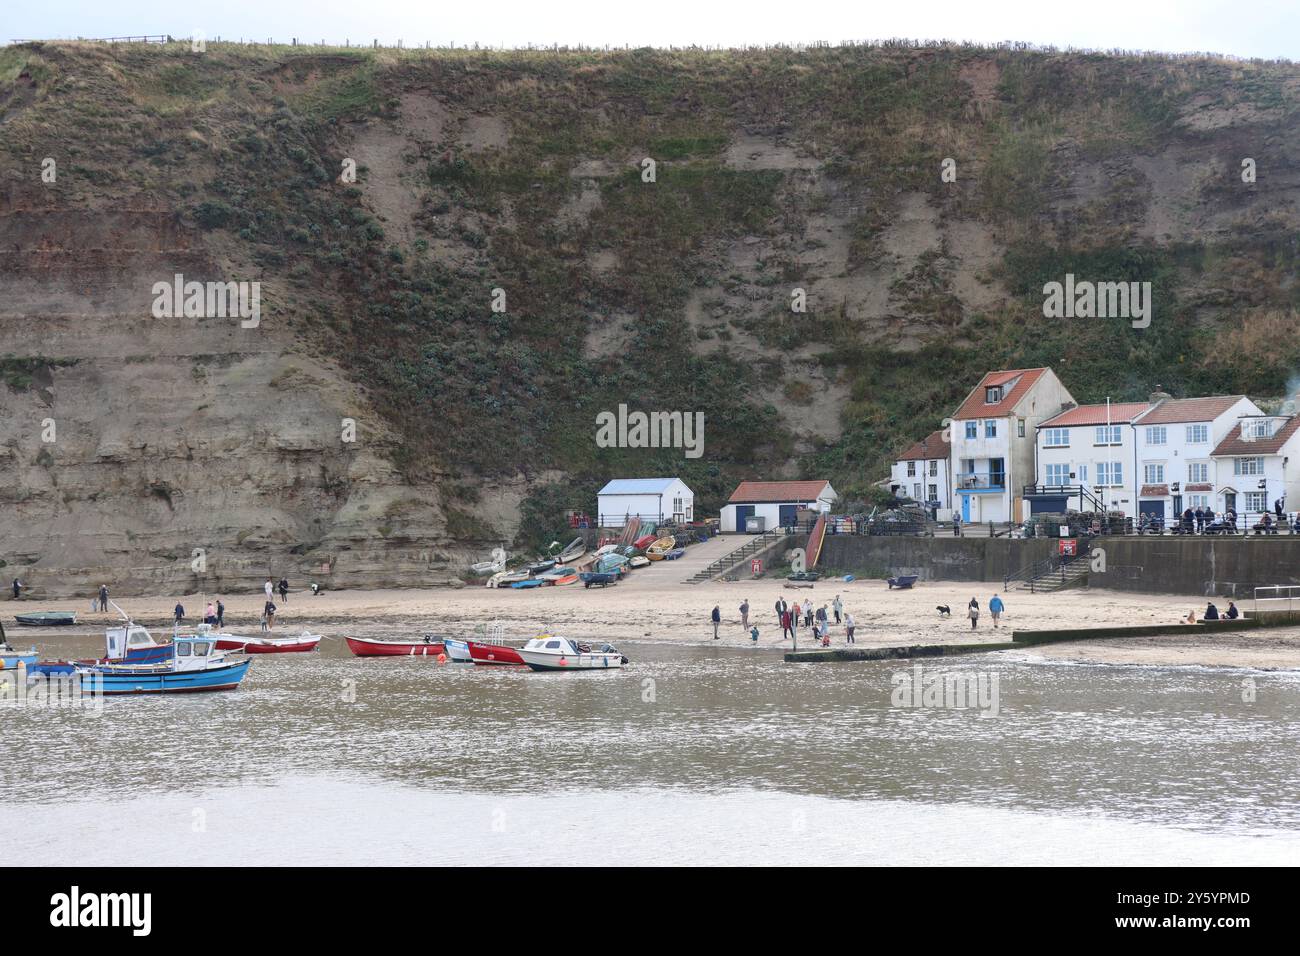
x=777, y=491
x=975, y=406
x=1175, y=410
x=931, y=446
x=1233, y=444
x=1120, y=413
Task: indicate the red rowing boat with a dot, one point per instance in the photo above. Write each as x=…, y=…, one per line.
x=268, y=645
x=369, y=647
x=493, y=653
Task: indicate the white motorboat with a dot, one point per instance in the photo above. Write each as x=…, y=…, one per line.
x=550, y=653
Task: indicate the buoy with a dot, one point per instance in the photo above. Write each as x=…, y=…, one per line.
x=442, y=658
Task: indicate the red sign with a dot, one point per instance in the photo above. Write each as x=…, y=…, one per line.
x=1068, y=547
x=756, y=566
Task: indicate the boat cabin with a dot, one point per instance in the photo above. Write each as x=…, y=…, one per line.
x=194, y=653
x=121, y=641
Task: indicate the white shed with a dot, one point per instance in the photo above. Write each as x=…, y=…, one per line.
x=775, y=503
x=650, y=499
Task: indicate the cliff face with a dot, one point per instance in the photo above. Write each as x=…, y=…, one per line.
x=777, y=175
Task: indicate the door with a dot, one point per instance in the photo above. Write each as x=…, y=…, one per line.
x=1155, y=509
x=965, y=508
x=787, y=515
x=743, y=514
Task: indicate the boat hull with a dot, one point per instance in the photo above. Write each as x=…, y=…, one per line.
x=46, y=619
x=364, y=647
x=287, y=647
x=494, y=654
x=128, y=681
x=601, y=661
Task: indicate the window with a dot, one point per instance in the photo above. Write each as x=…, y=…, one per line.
x=1198, y=434
x=201, y=649
x=916, y=491
x=934, y=468
x=1157, y=435
x=1198, y=501
x=971, y=430
x=1153, y=474
x=1257, y=428
x=1198, y=471
x=1110, y=473
x=1020, y=427
x=934, y=492
x=552, y=644
x=182, y=648
x=991, y=428
x=1083, y=473
x=911, y=469
x=968, y=466
x=1248, y=466
x=1057, y=438
x=992, y=394
x=1109, y=435
x=1256, y=501
x=1058, y=474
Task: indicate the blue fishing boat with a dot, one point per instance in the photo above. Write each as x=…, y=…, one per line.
x=196, y=665
x=128, y=644
x=9, y=658
x=530, y=583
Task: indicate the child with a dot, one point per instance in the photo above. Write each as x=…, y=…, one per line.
x=753, y=634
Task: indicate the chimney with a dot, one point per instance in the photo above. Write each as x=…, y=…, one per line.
x=1159, y=395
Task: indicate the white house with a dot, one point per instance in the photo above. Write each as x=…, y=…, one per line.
x=992, y=441
x=1174, y=443
x=1085, y=460
x=776, y=503
x=650, y=499
x=923, y=472
x=1252, y=466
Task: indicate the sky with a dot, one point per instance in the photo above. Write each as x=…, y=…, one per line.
x=1246, y=28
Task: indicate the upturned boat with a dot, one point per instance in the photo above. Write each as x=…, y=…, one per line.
x=572, y=552
x=196, y=665
x=46, y=618
x=550, y=653
x=372, y=647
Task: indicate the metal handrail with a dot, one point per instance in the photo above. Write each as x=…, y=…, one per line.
x=1293, y=591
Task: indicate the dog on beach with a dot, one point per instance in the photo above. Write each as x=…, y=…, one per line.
x=944, y=610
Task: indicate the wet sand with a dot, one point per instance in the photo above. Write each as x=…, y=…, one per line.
x=654, y=604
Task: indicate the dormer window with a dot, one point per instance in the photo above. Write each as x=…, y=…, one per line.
x=1257, y=428
x=993, y=394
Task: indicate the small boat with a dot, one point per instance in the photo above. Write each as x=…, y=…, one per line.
x=128, y=644
x=600, y=578
x=488, y=653
x=572, y=551
x=902, y=581
x=46, y=618
x=660, y=548
x=371, y=647
x=611, y=562
x=541, y=567
x=566, y=580
x=528, y=583
x=10, y=659
x=643, y=542
x=458, y=651
x=556, y=573
x=486, y=567
x=196, y=665
x=674, y=554
x=640, y=561
x=549, y=653
x=804, y=576
x=505, y=578
x=606, y=549
x=267, y=645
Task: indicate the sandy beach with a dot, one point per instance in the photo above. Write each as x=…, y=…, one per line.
x=655, y=605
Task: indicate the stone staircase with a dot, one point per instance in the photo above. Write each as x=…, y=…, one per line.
x=752, y=548
x=1050, y=575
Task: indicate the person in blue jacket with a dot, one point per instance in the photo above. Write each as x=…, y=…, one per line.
x=717, y=619
x=996, y=607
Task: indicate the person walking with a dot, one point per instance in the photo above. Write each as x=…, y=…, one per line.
x=781, y=608
x=808, y=613
x=717, y=619
x=973, y=611
x=103, y=597
x=179, y=611
x=744, y=614
x=18, y=587
x=284, y=590
x=786, y=629
x=269, y=611
x=210, y=615
x=269, y=589
x=794, y=621
x=956, y=524
x=221, y=614
x=996, y=607
x=838, y=606
x=848, y=628
x=823, y=619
